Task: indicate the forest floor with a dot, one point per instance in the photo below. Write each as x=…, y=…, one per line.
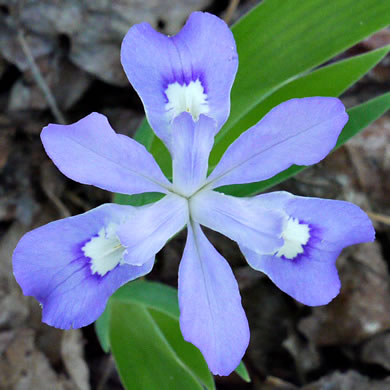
x=342, y=346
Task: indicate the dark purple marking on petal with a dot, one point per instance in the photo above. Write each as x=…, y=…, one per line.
x=198, y=75
x=311, y=277
x=204, y=49
x=50, y=265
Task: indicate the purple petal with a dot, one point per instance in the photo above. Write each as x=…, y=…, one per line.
x=191, y=146
x=49, y=264
x=211, y=315
x=151, y=226
x=202, y=55
x=311, y=276
x=240, y=219
x=90, y=152
x=299, y=131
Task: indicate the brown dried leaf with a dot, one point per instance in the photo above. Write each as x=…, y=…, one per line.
x=305, y=353
x=53, y=184
x=27, y=95
x=23, y=367
x=53, y=17
x=351, y=380
x=6, y=133
x=370, y=155
x=95, y=31
x=7, y=245
x=381, y=38
x=377, y=351
x=272, y=383
x=101, y=60
x=11, y=50
x=362, y=308
x=72, y=356
x=13, y=311
x=270, y=313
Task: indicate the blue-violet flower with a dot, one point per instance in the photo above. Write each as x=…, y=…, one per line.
x=73, y=265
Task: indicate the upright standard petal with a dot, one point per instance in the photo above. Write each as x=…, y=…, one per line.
x=316, y=232
x=151, y=226
x=90, y=152
x=298, y=131
x=192, y=71
x=191, y=146
x=246, y=222
x=211, y=315
x=72, y=266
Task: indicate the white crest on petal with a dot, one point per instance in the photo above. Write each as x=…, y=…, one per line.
x=295, y=236
x=105, y=250
x=186, y=98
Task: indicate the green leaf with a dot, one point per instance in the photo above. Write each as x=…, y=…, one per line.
x=243, y=372
x=154, y=295
x=278, y=43
x=143, y=355
x=359, y=118
x=144, y=134
x=138, y=199
x=186, y=352
x=330, y=80
x=102, y=326
x=161, y=304
x=280, y=40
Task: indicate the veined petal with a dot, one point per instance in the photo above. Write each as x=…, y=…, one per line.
x=151, y=226
x=193, y=70
x=50, y=263
x=191, y=146
x=305, y=267
x=90, y=152
x=298, y=131
x=211, y=315
x=240, y=219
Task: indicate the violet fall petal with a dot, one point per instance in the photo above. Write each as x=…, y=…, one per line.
x=90, y=152
x=211, y=315
x=311, y=276
x=191, y=146
x=193, y=70
x=241, y=220
x=151, y=226
x=49, y=264
x=298, y=131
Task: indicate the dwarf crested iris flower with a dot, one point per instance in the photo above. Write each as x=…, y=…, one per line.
x=73, y=265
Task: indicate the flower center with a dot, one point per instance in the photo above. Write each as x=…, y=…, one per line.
x=105, y=250
x=186, y=98
x=295, y=236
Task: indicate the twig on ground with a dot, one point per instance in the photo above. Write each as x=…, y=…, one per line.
x=379, y=217
x=233, y=4
x=39, y=79
x=108, y=367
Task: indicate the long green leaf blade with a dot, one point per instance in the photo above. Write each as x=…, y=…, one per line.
x=144, y=358
x=359, y=118
x=154, y=295
x=330, y=80
x=102, y=326
x=186, y=352
x=280, y=40
x=243, y=372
